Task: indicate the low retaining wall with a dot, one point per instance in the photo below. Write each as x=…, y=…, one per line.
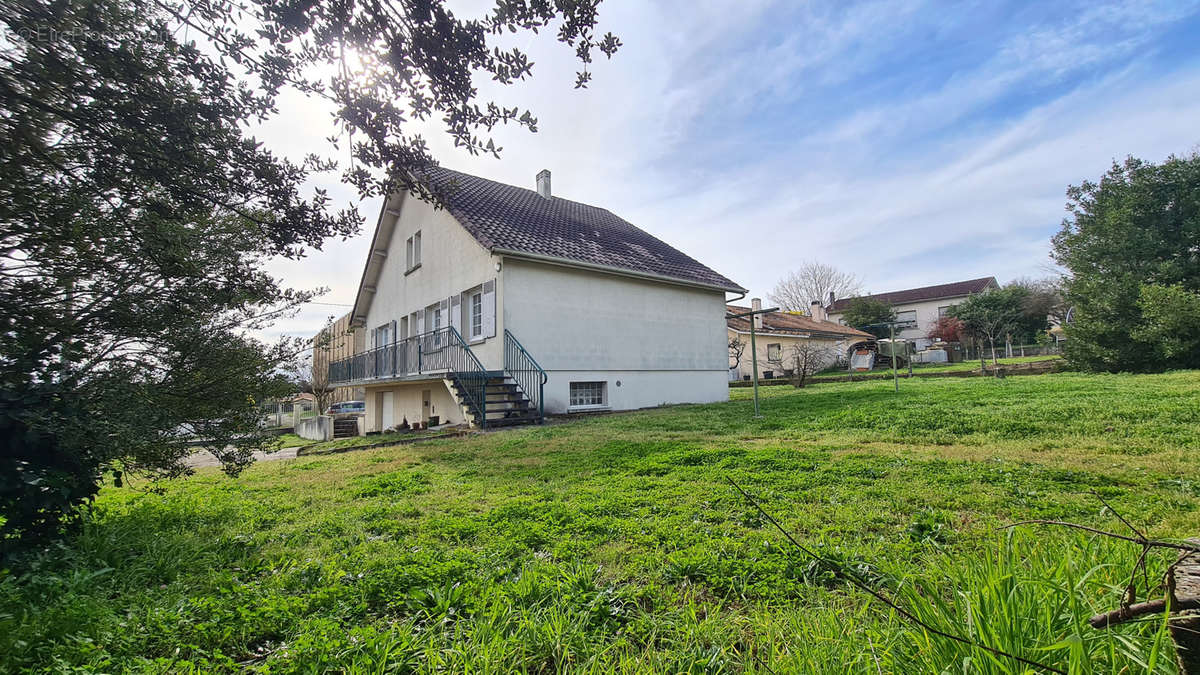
x=1032, y=368
x=309, y=449
x=319, y=428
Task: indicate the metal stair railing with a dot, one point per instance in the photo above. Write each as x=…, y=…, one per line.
x=464, y=366
x=520, y=365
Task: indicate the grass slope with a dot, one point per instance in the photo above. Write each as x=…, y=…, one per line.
x=614, y=544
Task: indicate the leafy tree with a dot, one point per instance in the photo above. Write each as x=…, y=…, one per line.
x=1040, y=301
x=946, y=329
x=813, y=281
x=992, y=315
x=136, y=213
x=867, y=314
x=1170, y=324
x=1138, y=226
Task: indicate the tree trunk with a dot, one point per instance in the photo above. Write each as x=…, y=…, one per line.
x=1185, y=630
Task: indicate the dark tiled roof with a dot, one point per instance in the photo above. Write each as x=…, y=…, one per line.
x=783, y=322
x=506, y=217
x=953, y=290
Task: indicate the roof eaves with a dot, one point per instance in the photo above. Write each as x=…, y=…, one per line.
x=358, y=318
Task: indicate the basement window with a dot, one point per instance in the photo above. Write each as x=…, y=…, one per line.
x=585, y=395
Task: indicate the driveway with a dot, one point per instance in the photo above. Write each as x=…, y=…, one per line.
x=205, y=458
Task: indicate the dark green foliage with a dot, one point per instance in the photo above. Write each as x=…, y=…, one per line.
x=997, y=315
x=867, y=314
x=1138, y=226
x=1170, y=324
x=136, y=213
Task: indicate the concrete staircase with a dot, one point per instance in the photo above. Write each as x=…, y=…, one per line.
x=344, y=427
x=506, y=405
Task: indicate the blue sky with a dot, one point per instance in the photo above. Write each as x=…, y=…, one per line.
x=911, y=143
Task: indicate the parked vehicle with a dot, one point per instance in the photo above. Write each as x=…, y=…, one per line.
x=347, y=408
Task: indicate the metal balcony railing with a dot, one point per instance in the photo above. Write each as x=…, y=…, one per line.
x=442, y=351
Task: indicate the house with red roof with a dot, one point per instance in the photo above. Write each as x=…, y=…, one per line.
x=918, y=309
x=786, y=342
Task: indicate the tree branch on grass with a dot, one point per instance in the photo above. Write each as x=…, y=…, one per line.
x=842, y=573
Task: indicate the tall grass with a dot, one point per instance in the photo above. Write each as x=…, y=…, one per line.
x=615, y=545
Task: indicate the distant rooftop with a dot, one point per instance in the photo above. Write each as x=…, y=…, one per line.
x=956, y=289
x=796, y=324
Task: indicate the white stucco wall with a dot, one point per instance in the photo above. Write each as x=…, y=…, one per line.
x=663, y=343
x=407, y=403
x=452, y=261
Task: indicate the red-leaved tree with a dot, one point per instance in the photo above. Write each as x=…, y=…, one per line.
x=947, y=329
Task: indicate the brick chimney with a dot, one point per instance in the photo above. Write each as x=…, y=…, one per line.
x=756, y=305
x=817, y=311
x=543, y=183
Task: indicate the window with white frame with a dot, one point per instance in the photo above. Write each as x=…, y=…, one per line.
x=589, y=394
x=434, y=312
x=906, y=319
x=774, y=351
x=944, y=311
x=476, y=315
x=412, y=252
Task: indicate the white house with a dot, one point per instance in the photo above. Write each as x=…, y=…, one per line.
x=783, y=338
x=918, y=309
x=510, y=303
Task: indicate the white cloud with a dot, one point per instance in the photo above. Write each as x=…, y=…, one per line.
x=928, y=186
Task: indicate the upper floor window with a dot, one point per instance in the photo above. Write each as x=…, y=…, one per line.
x=944, y=311
x=476, y=315
x=433, y=322
x=774, y=351
x=412, y=252
x=906, y=319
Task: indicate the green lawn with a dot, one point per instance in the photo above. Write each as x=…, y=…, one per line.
x=613, y=543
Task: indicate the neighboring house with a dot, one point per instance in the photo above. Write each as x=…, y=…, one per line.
x=918, y=309
x=779, y=335
x=336, y=342
x=512, y=302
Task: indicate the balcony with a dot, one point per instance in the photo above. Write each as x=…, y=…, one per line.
x=436, y=353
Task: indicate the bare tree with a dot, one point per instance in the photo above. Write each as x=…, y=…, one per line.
x=737, y=347
x=312, y=380
x=808, y=358
x=1045, y=299
x=813, y=281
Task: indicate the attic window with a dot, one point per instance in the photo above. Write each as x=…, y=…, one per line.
x=412, y=252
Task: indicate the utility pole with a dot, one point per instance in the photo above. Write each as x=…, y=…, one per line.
x=753, y=348
x=892, y=349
